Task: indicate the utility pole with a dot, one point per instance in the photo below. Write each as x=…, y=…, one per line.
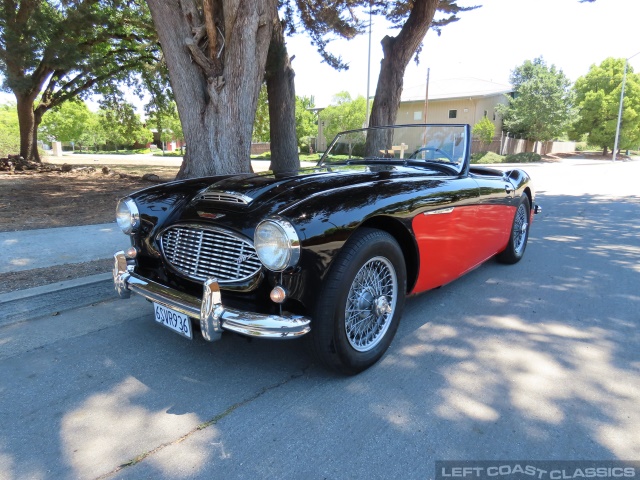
x=624, y=79
x=426, y=97
x=366, y=118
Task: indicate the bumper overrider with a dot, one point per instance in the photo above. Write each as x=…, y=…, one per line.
x=213, y=316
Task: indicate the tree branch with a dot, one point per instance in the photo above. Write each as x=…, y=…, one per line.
x=24, y=12
x=210, y=13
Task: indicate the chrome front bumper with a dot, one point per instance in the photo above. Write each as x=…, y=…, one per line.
x=213, y=316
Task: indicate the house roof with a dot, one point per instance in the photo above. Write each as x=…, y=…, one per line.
x=454, y=88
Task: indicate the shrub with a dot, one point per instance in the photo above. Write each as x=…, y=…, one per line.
x=9, y=146
x=484, y=130
x=486, y=157
x=524, y=157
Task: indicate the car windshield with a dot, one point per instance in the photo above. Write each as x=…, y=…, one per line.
x=443, y=144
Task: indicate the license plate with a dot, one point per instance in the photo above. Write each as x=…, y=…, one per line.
x=176, y=321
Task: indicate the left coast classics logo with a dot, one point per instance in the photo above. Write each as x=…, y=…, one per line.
x=211, y=216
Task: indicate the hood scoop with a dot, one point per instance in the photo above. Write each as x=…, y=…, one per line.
x=224, y=197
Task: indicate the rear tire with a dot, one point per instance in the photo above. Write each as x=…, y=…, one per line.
x=519, y=234
x=359, y=309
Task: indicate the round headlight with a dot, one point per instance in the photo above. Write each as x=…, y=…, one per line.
x=127, y=215
x=277, y=244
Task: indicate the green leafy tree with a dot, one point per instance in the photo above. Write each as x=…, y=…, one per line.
x=598, y=102
x=306, y=120
x=94, y=133
x=122, y=124
x=261, y=130
x=66, y=122
x=52, y=51
x=344, y=114
x=541, y=106
x=9, y=130
x=164, y=118
x=484, y=130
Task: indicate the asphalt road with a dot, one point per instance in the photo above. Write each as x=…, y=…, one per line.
x=533, y=361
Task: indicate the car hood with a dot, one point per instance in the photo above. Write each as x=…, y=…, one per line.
x=239, y=202
x=249, y=192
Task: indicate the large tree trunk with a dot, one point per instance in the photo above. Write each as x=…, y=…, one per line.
x=28, y=121
x=282, y=105
x=397, y=53
x=216, y=90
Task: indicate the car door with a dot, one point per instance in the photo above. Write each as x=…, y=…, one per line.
x=494, y=213
x=470, y=225
x=444, y=233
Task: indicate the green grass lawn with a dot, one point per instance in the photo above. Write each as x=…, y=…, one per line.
x=114, y=152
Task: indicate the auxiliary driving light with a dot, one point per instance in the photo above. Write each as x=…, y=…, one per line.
x=278, y=294
x=131, y=252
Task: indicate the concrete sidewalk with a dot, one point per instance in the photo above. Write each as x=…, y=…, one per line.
x=29, y=249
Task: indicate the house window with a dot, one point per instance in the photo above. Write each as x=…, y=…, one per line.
x=453, y=113
x=417, y=115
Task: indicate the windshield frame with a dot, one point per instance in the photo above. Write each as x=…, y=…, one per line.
x=460, y=168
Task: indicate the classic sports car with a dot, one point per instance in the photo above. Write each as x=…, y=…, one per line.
x=330, y=251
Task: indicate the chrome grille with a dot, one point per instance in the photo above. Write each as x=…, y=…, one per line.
x=227, y=197
x=202, y=252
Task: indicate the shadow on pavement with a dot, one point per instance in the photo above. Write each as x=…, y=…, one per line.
x=533, y=361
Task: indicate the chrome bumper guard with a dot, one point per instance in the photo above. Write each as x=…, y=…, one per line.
x=213, y=316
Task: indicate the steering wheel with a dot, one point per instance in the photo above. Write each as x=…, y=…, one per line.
x=435, y=151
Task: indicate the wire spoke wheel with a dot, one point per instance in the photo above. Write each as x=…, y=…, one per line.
x=520, y=228
x=371, y=303
x=361, y=302
x=514, y=250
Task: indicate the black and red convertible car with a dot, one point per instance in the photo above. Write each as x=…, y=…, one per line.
x=329, y=252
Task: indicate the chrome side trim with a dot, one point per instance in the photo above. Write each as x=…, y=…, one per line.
x=440, y=211
x=213, y=316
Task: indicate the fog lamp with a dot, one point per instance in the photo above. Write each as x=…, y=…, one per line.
x=131, y=252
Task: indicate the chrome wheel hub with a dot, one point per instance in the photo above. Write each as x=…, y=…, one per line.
x=382, y=306
x=371, y=303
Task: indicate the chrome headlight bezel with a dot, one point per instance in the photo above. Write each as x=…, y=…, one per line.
x=289, y=255
x=127, y=215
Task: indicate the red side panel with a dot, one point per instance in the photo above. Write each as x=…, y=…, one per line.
x=453, y=243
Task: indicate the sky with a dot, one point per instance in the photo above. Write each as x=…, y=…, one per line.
x=486, y=43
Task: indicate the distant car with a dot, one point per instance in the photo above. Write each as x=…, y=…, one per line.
x=329, y=251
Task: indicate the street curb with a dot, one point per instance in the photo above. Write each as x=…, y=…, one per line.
x=53, y=287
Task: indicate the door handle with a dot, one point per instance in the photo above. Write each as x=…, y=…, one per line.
x=508, y=189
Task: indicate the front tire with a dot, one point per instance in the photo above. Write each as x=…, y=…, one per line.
x=358, y=312
x=519, y=234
